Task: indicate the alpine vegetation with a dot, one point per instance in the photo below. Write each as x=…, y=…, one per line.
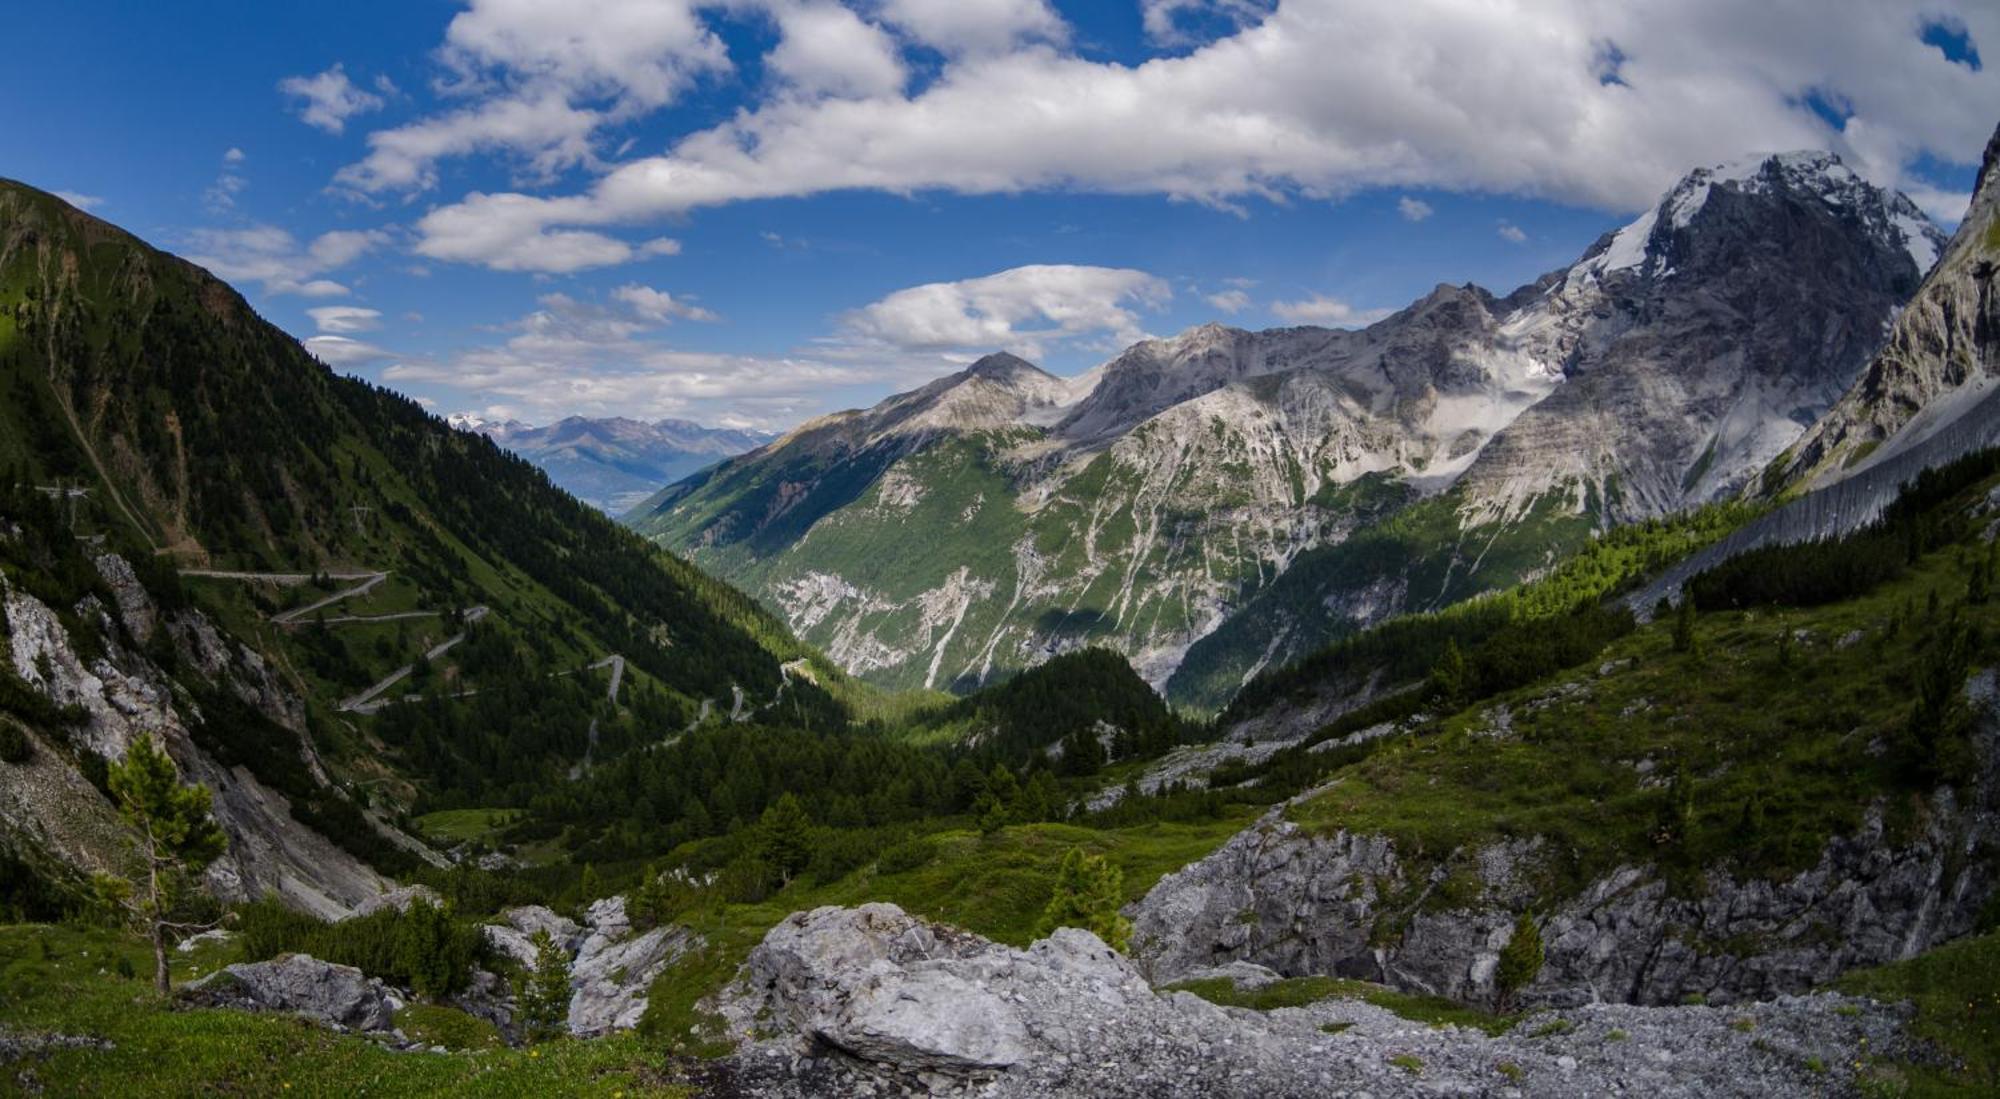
x=834, y=548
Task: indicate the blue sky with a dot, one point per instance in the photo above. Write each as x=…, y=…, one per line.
x=752, y=211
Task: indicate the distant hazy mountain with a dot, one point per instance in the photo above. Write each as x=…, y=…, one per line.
x=1225, y=501
x=615, y=463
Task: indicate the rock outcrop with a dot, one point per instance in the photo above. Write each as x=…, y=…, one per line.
x=120, y=696
x=337, y=995
x=613, y=968
x=871, y=1000
x=1347, y=904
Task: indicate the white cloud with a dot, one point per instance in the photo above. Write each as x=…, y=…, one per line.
x=1315, y=101
x=345, y=318
x=570, y=356
x=826, y=49
x=1512, y=233
x=546, y=77
x=659, y=306
x=342, y=351
x=1322, y=310
x=80, y=201
x=1413, y=209
x=976, y=26
x=504, y=232
x=1164, y=19
x=1229, y=301
x=1021, y=309
x=220, y=197
x=329, y=99
x=343, y=246
x=271, y=256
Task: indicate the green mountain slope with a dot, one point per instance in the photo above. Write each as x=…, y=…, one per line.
x=182, y=428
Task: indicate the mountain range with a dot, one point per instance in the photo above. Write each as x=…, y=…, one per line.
x=1225, y=501
x=443, y=706
x=614, y=463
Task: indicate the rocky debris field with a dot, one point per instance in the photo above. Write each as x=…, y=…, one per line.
x=872, y=1001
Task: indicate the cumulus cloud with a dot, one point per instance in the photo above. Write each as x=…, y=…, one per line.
x=976, y=26
x=573, y=356
x=345, y=318
x=1512, y=233
x=1413, y=209
x=659, y=306
x=545, y=78
x=327, y=100
x=1322, y=310
x=1316, y=100
x=1229, y=301
x=826, y=49
x=1022, y=309
x=79, y=200
x=271, y=256
x=505, y=232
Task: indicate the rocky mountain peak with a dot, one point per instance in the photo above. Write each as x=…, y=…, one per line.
x=1003, y=366
x=1725, y=200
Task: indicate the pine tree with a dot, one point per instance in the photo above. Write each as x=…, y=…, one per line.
x=787, y=838
x=1520, y=960
x=432, y=950
x=989, y=813
x=1684, y=639
x=588, y=888
x=543, y=994
x=1448, y=676
x=177, y=839
x=1089, y=891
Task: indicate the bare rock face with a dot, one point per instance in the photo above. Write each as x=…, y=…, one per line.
x=1943, y=356
x=873, y=1001
x=337, y=995
x=614, y=969
x=122, y=696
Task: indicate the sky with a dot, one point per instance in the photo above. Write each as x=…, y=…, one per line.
x=751, y=212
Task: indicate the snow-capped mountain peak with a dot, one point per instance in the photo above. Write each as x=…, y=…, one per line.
x=1647, y=245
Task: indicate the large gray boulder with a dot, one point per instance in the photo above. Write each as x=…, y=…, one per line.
x=337, y=995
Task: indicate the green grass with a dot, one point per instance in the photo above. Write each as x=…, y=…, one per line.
x=465, y=825
x=1956, y=991
x=1587, y=760
x=161, y=1051
x=1300, y=991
